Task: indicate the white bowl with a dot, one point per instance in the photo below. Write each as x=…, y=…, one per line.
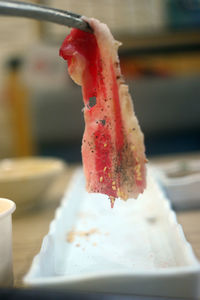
x=181, y=181
x=26, y=180
x=7, y=207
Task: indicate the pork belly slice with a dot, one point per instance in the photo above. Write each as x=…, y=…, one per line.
x=113, y=151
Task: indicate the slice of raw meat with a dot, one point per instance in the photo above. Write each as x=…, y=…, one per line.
x=113, y=149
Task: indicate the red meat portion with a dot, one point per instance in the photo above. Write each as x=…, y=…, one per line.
x=113, y=149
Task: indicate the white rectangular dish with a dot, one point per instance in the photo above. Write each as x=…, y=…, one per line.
x=135, y=248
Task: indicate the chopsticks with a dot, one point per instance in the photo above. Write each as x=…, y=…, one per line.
x=43, y=13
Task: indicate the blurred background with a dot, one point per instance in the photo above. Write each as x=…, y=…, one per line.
x=40, y=106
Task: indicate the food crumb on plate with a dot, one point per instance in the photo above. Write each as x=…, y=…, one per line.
x=72, y=234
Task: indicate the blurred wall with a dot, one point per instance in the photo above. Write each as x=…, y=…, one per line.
x=160, y=59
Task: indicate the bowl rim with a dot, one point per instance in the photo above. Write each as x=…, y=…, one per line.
x=174, y=166
x=56, y=167
x=8, y=211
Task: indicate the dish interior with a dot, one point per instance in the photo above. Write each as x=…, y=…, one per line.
x=89, y=237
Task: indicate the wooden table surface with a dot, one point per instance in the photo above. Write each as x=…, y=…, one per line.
x=30, y=227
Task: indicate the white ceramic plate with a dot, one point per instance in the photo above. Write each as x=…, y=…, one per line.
x=135, y=248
